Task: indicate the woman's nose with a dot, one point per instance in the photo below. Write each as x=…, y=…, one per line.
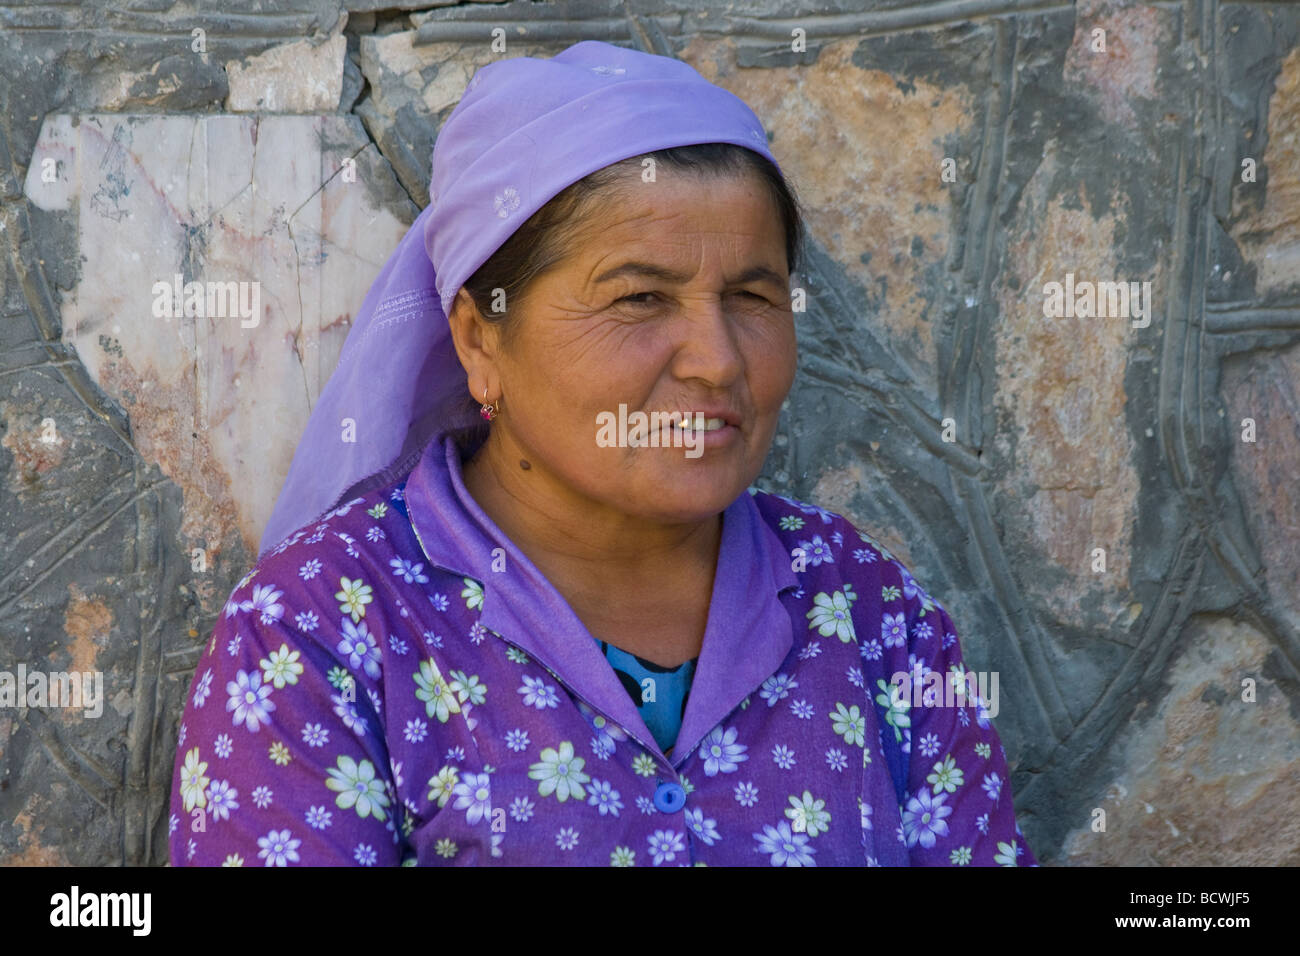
x=707, y=347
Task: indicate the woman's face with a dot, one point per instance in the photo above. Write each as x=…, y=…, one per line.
x=674, y=298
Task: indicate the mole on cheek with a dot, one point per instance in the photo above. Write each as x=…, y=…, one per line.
x=524, y=464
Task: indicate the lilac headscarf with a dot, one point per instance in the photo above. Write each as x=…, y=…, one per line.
x=523, y=130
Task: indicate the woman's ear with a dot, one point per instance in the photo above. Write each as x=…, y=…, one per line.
x=476, y=339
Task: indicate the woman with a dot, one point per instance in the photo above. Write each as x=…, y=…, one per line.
x=574, y=634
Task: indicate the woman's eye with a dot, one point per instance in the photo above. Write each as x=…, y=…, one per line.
x=637, y=298
x=646, y=298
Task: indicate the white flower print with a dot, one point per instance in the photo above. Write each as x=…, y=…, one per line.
x=314, y=735
x=777, y=687
x=817, y=551
x=537, y=693
x=343, y=509
x=721, y=753
x=203, y=689
x=474, y=796
x=347, y=710
x=409, y=571
x=923, y=821
x=785, y=847
x=783, y=756
x=249, y=699
x=364, y=854
x=221, y=799
x=264, y=600
x=507, y=201
x=992, y=786
x=351, y=542
x=665, y=845
x=706, y=830
x=360, y=647
x=893, y=629
x=604, y=797
x=288, y=543
x=278, y=848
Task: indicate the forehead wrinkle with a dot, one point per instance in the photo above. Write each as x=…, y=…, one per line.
x=744, y=248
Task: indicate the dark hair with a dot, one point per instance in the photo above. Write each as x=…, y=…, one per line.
x=543, y=241
x=546, y=237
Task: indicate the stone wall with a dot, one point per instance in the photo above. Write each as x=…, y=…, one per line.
x=1108, y=506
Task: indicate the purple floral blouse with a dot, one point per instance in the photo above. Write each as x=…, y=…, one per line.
x=397, y=684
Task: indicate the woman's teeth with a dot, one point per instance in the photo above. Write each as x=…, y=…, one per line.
x=710, y=424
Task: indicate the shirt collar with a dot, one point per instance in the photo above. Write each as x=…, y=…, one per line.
x=748, y=635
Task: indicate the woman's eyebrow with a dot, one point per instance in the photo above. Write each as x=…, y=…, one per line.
x=650, y=271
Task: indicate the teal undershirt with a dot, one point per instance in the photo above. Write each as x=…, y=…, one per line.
x=660, y=703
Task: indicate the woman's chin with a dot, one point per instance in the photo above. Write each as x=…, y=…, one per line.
x=684, y=493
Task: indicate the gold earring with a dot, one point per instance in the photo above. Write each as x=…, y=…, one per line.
x=488, y=412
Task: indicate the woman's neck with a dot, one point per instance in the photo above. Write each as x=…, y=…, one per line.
x=617, y=565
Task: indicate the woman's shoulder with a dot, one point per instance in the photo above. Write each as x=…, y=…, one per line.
x=826, y=540
x=818, y=530
x=363, y=538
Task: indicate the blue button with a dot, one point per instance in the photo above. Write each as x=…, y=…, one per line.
x=670, y=797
